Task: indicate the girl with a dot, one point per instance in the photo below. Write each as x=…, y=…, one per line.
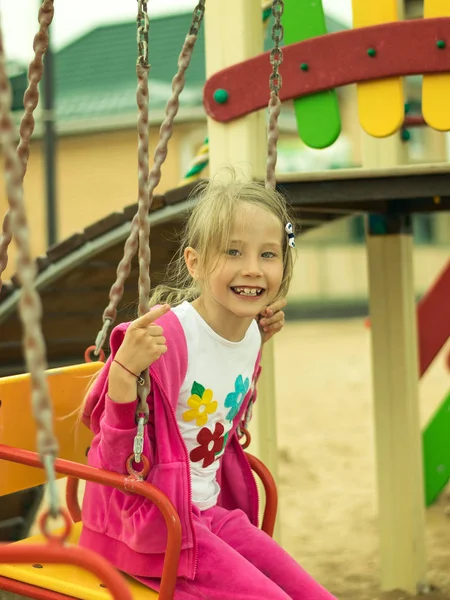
x=203, y=356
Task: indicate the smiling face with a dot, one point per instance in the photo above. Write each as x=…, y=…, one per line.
x=246, y=275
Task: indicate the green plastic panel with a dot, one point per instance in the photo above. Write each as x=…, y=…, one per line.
x=436, y=452
x=317, y=115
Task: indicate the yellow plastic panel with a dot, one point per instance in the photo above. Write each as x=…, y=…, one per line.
x=68, y=387
x=67, y=579
x=380, y=103
x=436, y=88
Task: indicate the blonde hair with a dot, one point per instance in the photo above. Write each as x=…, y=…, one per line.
x=207, y=230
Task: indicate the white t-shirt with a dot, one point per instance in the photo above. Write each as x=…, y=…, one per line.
x=219, y=375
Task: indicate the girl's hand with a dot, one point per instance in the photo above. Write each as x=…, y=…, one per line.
x=144, y=342
x=272, y=320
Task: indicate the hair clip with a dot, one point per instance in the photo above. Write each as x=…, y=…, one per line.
x=290, y=231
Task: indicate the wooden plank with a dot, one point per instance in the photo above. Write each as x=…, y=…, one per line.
x=409, y=206
x=159, y=201
x=435, y=188
x=318, y=218
x=181, y=193
x=234, y=33
x=93, y=300
x=104, y=225
x=344, y=209
x=59, y=352
x=395, y=386
x=7, y=288
x=62, y=249
x=392, y=171
x=396, y=405
x=57, y=326
x=42, y=263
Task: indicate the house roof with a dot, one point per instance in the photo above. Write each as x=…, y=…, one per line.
x=95, y=75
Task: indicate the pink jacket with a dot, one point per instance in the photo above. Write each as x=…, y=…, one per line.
x=127, y=529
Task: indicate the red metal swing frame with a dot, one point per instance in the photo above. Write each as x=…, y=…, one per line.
x=57, y=552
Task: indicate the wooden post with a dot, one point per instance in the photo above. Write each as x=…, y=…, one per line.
x=395, y=375
x=398, y=436
x=234, y=32
x=395, y=387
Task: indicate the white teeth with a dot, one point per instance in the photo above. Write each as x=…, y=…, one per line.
x=248, y=291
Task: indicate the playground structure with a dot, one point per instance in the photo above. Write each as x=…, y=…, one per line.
x=389, y=196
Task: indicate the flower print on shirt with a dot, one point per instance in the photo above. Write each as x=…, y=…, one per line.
x=235, y=399
x=211, y=442
x=224, y=443
x=201, y=403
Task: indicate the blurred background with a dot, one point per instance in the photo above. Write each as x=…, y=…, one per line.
x=83, y=168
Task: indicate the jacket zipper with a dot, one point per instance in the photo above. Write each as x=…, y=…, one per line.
x=194, y=537
x=239, y=419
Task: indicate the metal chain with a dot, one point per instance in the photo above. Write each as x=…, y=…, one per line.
x=142, y=97
x=275, y=81
x=30, y=306
x=276, y=54
x=142, y=33
x=197, y=18
x=30, y=102
x=131, y=245
x=143, y=195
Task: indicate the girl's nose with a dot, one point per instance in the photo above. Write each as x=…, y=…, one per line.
x=251, y=268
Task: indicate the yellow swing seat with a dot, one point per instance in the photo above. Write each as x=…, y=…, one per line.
x=68, y=385
x=69, y=580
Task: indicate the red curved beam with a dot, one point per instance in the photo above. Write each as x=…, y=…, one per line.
x=270, y=488
x=334, y=60
x=433, y=320
x=121, y=482
x=433, y=317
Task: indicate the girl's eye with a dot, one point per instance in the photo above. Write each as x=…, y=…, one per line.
x=268, y=255
x=233, y=252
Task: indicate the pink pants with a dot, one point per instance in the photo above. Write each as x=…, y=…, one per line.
x=237, y=561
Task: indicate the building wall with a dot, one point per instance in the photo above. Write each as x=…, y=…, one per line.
x=96, y=175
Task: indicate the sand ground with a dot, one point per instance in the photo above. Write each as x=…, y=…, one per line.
x=327, y=462
x=327, y=486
